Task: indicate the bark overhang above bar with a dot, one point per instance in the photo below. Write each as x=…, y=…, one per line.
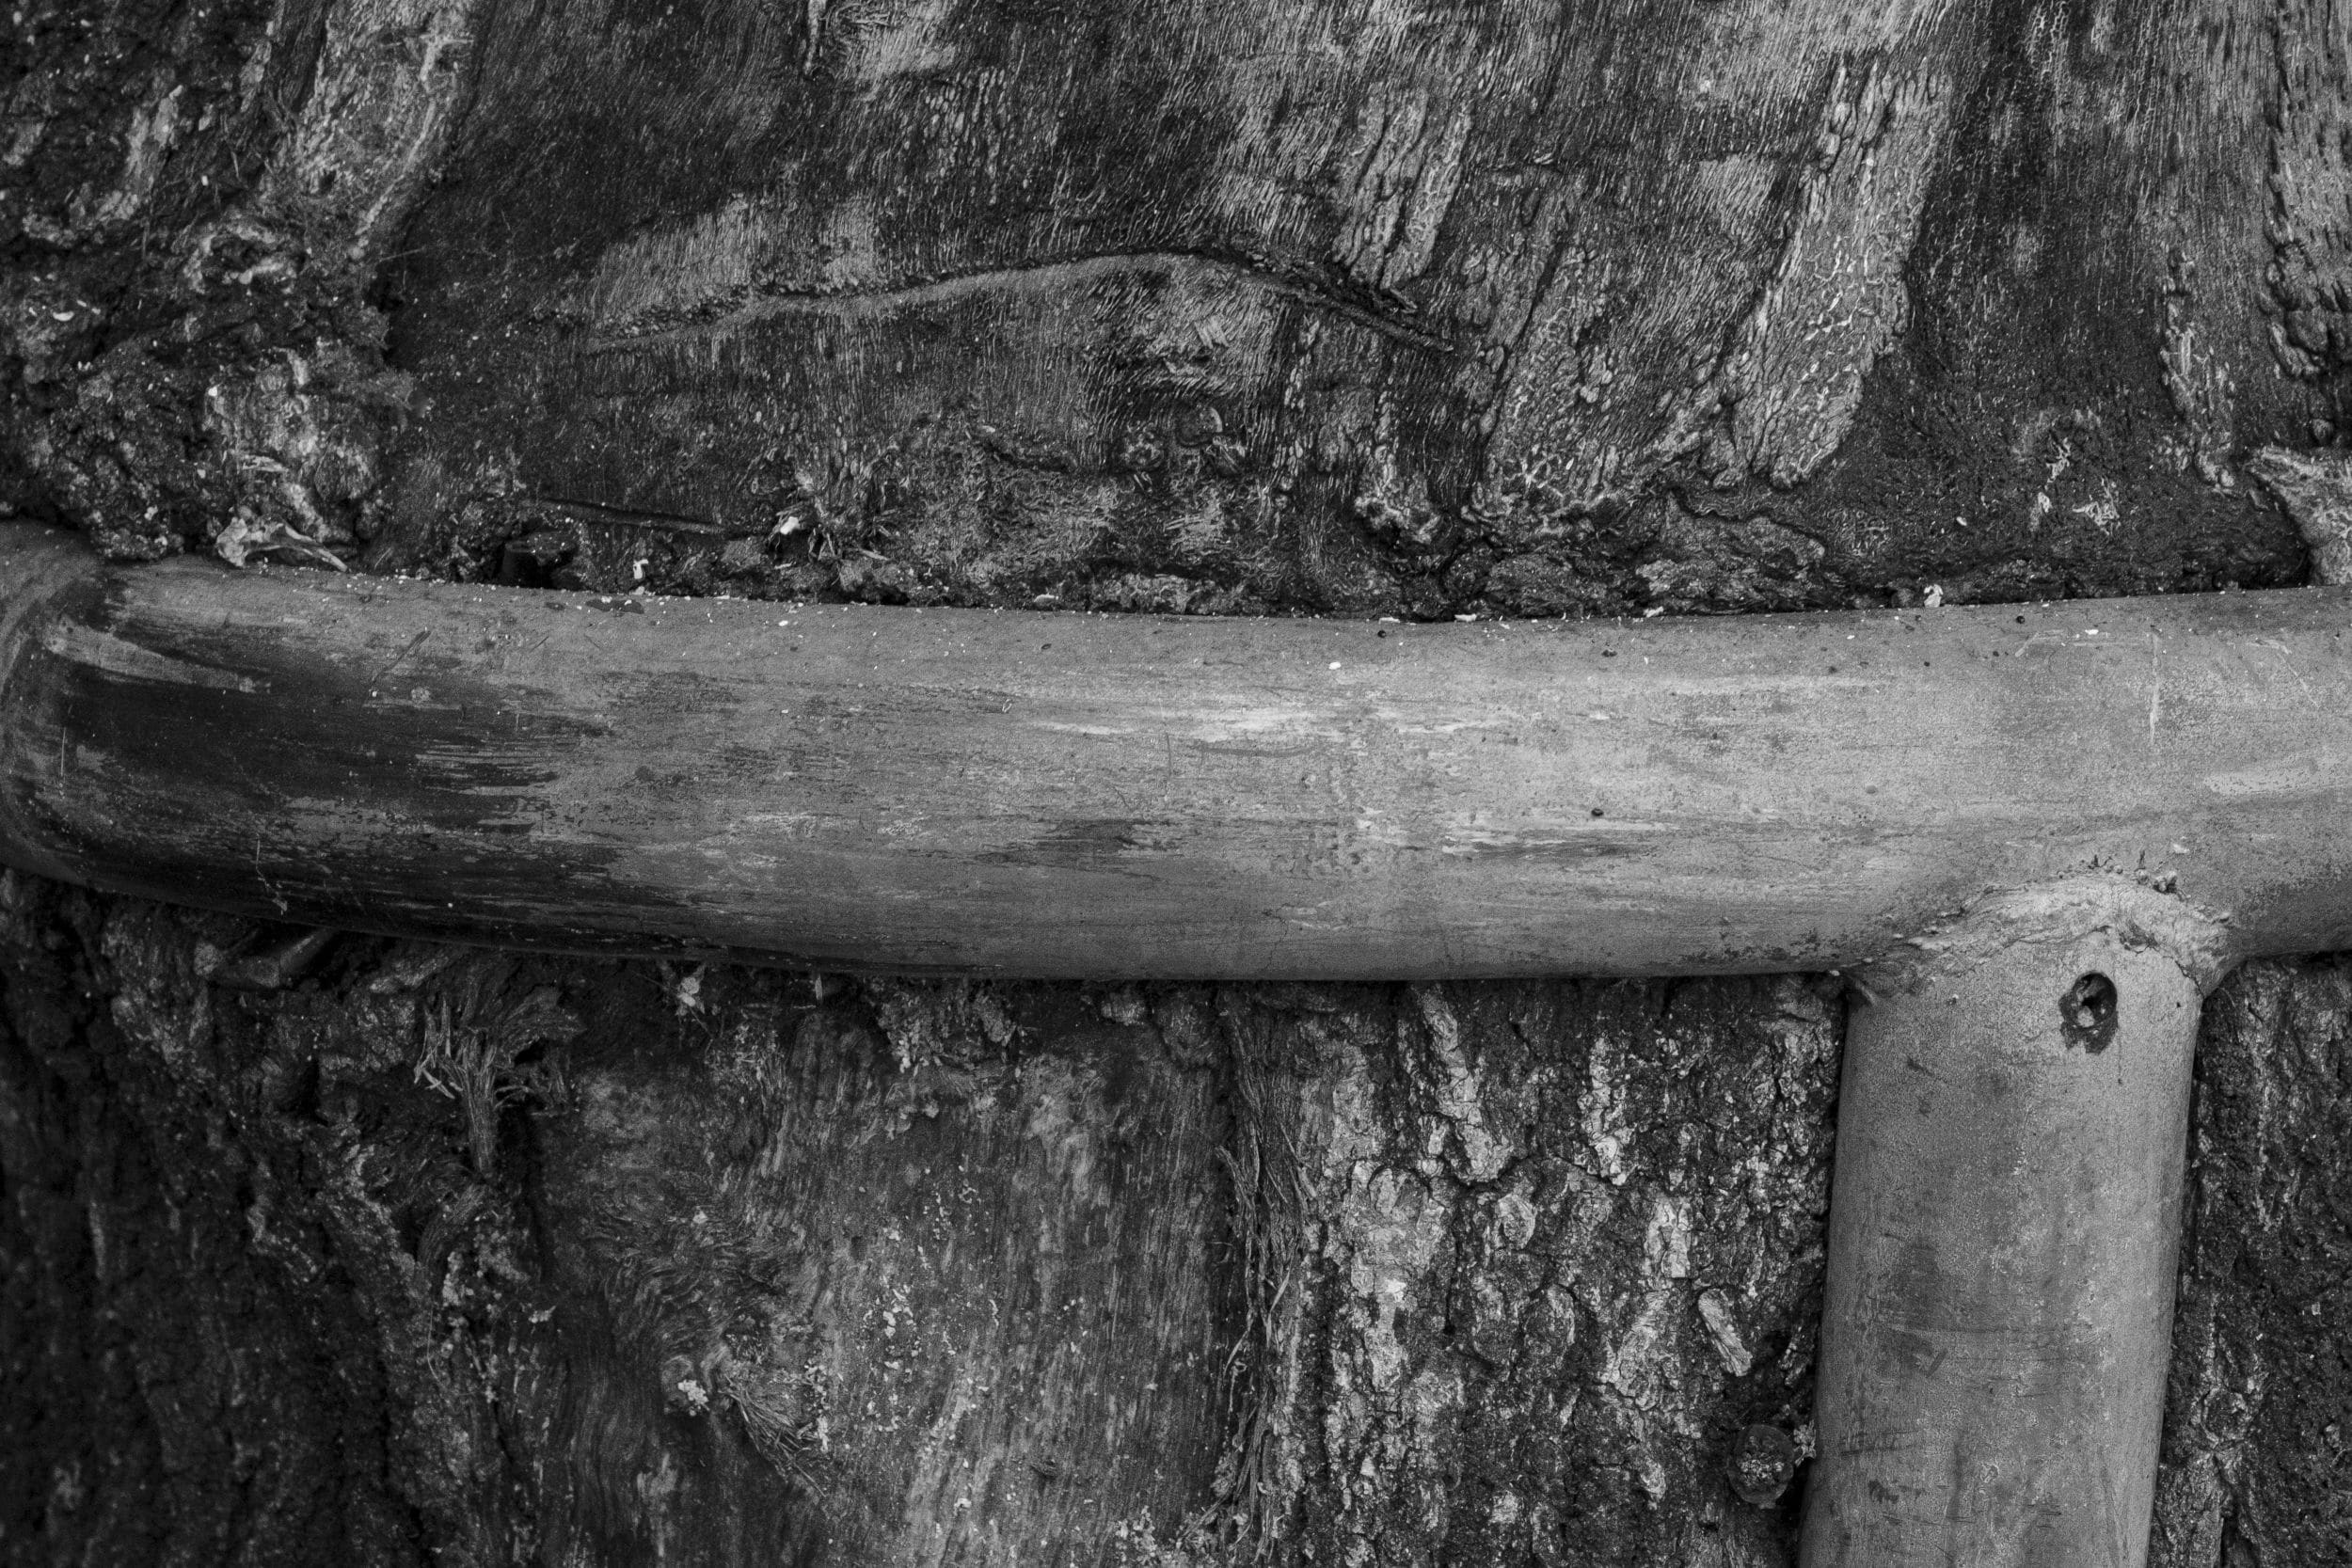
x=1124, y=796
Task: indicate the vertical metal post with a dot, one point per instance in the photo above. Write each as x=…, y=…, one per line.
x=2003, y=1225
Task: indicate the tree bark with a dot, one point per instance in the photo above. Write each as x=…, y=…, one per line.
x=393, y=1252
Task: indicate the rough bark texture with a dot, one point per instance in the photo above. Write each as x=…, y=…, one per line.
x=434, y=1252
x=2258, y=1439
x=1372, y=307
x=1375, y=307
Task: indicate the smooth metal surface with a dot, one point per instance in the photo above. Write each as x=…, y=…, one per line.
x=1118, y=796
x=2004, y=1228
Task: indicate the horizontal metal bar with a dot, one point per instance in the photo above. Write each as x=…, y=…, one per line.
x=1127, y=796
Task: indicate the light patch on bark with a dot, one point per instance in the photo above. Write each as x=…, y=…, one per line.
x=304, y=436
x=1724, y=1329
x=1603, y=1107
x=709, y=260
x=389, y=87
x=1751, y=51
x=1593, y=407
x=1409, y=162
x=2310, y=190
x=1388, y=1411
x=1460, y=1114
x=2316, y=491
x=1666, y=1240
x=1838, y=299
x=1643, y=1364
x=1441, y=1311
x=1385, y=1234
x=154, y=129
x=2203, y=390
x=744, y=262
x=2198, y=98
x=883, y=42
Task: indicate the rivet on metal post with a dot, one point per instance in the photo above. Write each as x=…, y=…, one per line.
x=2012, y=1128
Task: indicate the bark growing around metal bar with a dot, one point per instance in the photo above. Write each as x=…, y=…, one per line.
x=1381, y=308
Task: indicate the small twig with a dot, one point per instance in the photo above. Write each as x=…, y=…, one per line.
x=277, y=967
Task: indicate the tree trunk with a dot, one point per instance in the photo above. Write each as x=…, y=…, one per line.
x=321, y=1248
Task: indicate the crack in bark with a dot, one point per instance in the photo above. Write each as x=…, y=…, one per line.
x=1177, y=267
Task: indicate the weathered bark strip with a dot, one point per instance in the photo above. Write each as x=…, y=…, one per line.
x=1101, y=798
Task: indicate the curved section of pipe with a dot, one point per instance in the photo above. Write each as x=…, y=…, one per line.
x=1127, y=796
